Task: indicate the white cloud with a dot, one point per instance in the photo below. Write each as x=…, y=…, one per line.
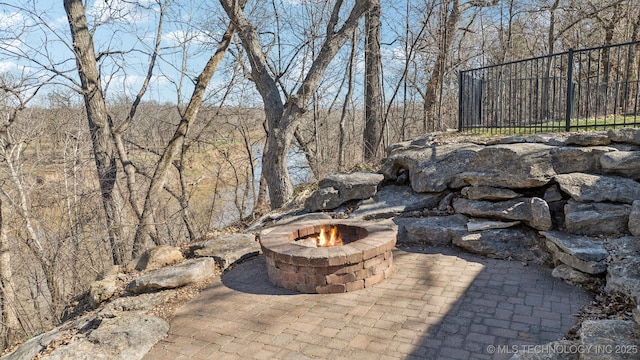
x=178, y=37
x=11, y=19
x=8, y=66
x=11, y=45
x=61, y=22
x=11, y=37
x=394, y=58
x=131, y=84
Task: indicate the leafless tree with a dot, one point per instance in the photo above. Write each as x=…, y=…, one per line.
x=373, y=88
x=100, y=124
x=15, y=194
x=283, y=116
x=175, y=145
x=9, y=316
x=347, y=102
x=451, y=14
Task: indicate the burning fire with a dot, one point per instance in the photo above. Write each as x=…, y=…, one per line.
x=331, y=239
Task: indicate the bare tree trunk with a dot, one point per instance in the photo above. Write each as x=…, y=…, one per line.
x=446, y=40
x=10, y=329
x=345, y=106
x=437, y=72
x=546, y=81
x=274, y=162
x=283, y=120
x=99, y=124
x=606, y=57
x=34, y=243
x=125, y=161
x=631, y=74
x=608, y=25
x=175, y=146
x=373, y=91
x=262, y=204
x=183, y=199
x=635, y=28
x=409, y=50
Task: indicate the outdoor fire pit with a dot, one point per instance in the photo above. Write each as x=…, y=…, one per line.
x=332, y=256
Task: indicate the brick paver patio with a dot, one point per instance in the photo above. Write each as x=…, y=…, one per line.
x=439, y=304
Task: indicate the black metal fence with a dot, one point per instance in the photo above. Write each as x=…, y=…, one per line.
x=596, y=88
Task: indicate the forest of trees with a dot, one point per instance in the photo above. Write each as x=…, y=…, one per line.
x=133, y=123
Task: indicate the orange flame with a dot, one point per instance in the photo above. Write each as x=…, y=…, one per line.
x=333, y=239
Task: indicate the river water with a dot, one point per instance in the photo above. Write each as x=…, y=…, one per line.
x=299, y=171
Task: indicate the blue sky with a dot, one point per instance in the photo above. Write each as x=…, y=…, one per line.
x=35, y=36
x=35, y=43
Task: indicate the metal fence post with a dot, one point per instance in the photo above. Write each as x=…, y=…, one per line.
x=569, y=109
x=460, y=102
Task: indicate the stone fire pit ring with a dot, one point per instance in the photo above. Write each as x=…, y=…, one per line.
x=365, y=259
